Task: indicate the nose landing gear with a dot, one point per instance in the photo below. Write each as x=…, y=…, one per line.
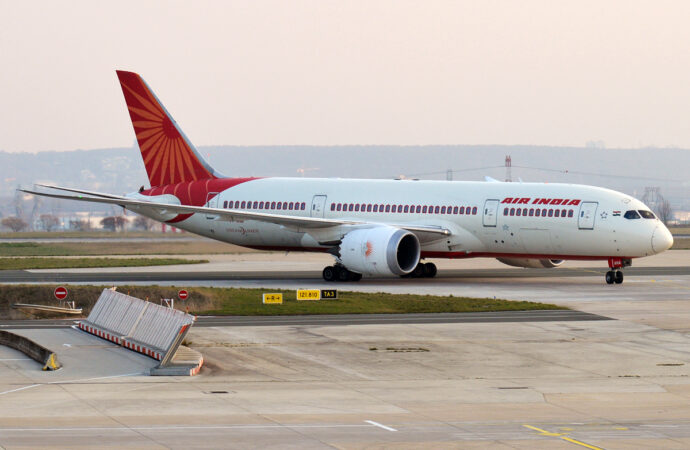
x=615, y=275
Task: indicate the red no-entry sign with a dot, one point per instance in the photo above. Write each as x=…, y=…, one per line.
x=183, y=294
x=60, y=293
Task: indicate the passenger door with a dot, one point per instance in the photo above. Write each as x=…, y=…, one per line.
x=318, y=206
x=490, y=213
x=588, y=210
x=212, y=202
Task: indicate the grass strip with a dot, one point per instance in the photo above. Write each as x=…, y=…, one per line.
x=74, y=263
x=247, y=302
x=89, y=234
x=169, y=247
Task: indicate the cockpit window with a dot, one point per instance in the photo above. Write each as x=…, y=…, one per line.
x=632, y=214
x=646, y=214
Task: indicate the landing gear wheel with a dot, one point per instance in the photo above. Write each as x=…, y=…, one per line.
x=419, y=271
x=619, y=277
x=343, y=274
x=430, y=270
x=329, y=273
x=355, y=276
x=610, y=277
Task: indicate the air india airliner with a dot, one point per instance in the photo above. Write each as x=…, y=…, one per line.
x=377, y=227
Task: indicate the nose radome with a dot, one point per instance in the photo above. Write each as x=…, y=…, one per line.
x=662, y=239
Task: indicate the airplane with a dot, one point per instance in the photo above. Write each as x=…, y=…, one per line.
x=376, y=227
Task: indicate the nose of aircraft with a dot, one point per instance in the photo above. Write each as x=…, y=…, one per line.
x=661, y=239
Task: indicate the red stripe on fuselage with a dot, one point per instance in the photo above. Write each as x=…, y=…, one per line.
x=448, y=255
x=462, y=255
x=195, y=193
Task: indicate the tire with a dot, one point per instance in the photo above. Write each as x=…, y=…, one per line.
x=430, y=270
x=343, y=274
x=355, y=276
x=610, y=277
x=618, y=277
x=419, y=271
x=328, y=273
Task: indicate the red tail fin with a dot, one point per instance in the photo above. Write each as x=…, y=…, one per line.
x=168, y=155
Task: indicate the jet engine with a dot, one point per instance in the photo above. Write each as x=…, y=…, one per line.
x=532, y=263
x=380, y=250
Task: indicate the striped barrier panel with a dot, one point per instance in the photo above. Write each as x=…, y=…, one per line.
x=136, y=324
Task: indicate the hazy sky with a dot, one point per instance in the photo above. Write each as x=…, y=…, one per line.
x=349, y=72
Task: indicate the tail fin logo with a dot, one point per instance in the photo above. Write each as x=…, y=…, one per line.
x=168, y=156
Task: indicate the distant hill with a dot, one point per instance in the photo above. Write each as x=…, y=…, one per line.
x=121, y=170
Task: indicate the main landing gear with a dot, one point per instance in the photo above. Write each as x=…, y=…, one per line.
x=340, y=273
x=615, y=275
x=423, y=270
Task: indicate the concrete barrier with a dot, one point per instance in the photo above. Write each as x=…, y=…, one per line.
x=36, y=352
x=144, y=327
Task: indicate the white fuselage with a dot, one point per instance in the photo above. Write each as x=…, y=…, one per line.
x=594, y=226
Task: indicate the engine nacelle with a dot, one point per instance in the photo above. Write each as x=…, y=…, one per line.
x=532, y=263
x=380, y=250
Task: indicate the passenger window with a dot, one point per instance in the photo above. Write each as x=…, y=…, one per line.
x=273, y=205
x=424, y=209
x=570, y=213
x=381, y=208
x=332, y=206
x=225, y=204
x=261, y=205
x=632, y=214
x=462, y=210
x=407, y=208
x=291, y=205
x=557, y=213
x=518, y=212
x=563, y=213
x=646, y=214
x=356, y=206
x=284, y=205
x=400, y=208
x=551, y=213
x=279, y=205
x=436, y=209
x=388, y=208
x=243, y=204
x=418, y=209
x=512, y=211
x=376, y=208
x=443, y=210
x=256, y=205
x=350, y=207
x=505, y=211
x=368, y=208
x=474, y=211
x=339, y=207
x=531, y=212
x=455, y=210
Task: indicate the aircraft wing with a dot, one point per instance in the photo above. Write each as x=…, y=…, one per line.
x=224, y=214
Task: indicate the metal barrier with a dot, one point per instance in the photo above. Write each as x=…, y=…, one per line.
x=144, y=327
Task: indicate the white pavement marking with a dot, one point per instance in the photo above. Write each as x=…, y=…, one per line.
x=19, y=389
x=186, y=428
x=72, y=381
x=376, y=424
